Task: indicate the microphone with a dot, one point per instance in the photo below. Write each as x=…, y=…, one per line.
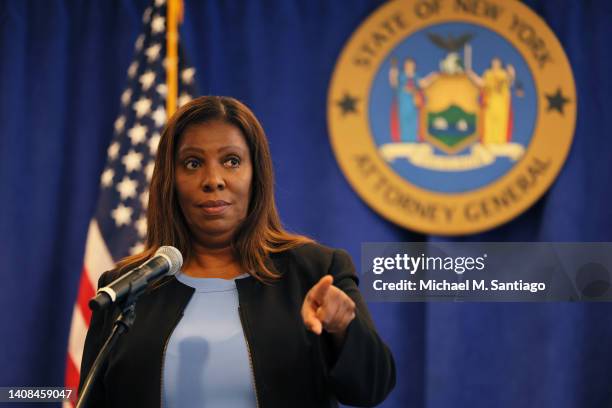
x=166, y=260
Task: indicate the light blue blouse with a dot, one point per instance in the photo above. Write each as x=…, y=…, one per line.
x=206, y=363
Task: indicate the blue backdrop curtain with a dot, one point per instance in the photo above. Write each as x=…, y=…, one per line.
x=62, y=68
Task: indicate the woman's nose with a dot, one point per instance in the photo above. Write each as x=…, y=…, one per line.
x=212, y=179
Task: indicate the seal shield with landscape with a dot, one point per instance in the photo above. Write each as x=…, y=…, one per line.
x=451, y=117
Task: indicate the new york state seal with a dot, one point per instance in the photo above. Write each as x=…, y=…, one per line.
x=451, y=117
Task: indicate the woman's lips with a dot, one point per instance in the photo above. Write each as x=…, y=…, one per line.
x=214, y=207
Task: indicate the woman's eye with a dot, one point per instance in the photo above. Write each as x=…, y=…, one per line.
x=192, y=164
x=232, y=162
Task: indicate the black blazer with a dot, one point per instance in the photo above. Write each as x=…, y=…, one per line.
x=292, y=367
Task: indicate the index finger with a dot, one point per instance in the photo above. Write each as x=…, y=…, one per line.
x=319, y=290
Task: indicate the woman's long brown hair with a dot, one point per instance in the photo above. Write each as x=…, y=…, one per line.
x=259, y=234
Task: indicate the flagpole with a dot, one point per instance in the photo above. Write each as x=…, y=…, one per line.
x=174, y=11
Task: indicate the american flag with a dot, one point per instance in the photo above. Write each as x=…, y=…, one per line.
x=119, y=226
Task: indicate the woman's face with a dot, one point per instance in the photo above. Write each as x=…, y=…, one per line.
x=213, y=171
x=409, y=67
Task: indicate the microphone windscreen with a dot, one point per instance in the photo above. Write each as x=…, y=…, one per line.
x=173, y=255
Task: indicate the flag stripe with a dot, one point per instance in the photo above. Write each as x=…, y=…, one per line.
x=86, y=292
x=77, y=340
x=72, y=381
x=97, y=256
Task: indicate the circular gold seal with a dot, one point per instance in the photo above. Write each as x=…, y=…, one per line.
x=451, y=117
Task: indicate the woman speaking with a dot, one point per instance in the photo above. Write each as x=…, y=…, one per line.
x=257, y=317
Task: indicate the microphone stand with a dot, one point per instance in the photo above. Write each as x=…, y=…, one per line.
x=122, y=324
